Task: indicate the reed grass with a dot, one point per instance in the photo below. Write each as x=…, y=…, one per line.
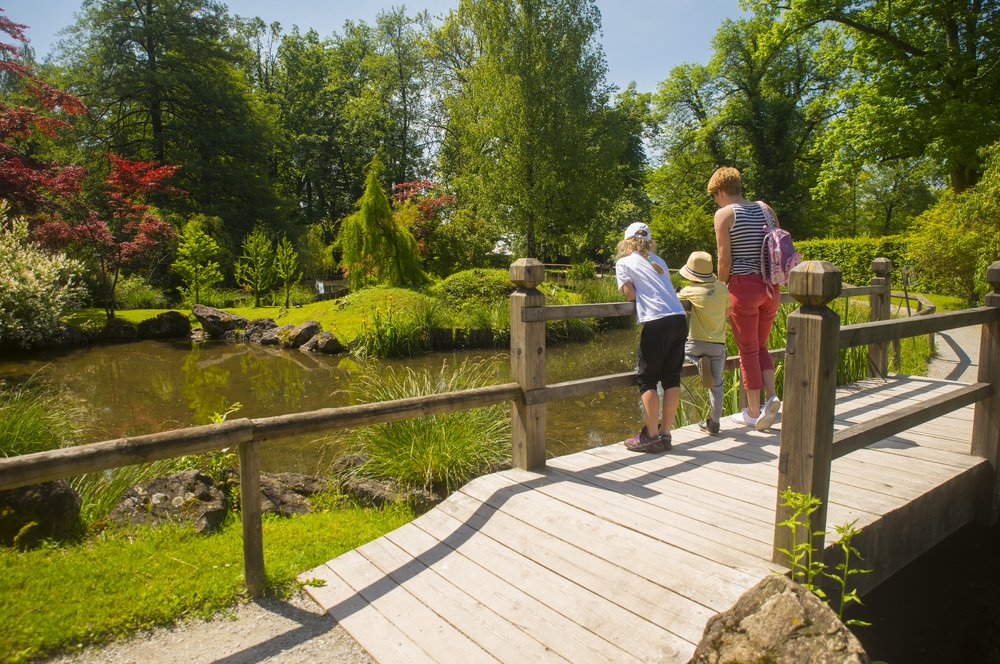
x=437, y=453
x=35, y=417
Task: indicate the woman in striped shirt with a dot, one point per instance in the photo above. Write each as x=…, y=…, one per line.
x=739, y=233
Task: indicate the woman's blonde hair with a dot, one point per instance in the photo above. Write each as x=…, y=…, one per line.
x=726, y=179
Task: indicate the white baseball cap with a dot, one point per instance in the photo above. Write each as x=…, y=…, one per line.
x=639, y=230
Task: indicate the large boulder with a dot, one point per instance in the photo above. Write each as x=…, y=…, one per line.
x=257, y=328
x=780, y=622
x=29, y=514
x=168, y=325
x=288, y=493
x=324, y=342
x=117, y=330
x=217, y=322
x=301, y=333
x=187, y=497
x=276, y=336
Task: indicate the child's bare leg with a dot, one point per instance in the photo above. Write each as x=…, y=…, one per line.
x=671, y=401
x=651, y=405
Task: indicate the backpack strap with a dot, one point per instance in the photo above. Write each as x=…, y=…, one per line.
x=768, y=217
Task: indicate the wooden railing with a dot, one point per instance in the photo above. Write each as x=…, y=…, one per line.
x=529, y=394
x=814, y=337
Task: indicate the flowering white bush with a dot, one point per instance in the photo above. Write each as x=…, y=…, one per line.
x=36, y=287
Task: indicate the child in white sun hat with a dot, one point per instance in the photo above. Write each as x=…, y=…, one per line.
x=643, y=277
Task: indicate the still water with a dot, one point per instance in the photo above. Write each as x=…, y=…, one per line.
x=151, y=386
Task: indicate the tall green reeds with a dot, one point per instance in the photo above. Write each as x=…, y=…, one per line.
x=438, y=453
x=35, y=417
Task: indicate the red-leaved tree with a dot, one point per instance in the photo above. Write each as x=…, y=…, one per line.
x=126, y=231
x=30, y=183
x=419, y=204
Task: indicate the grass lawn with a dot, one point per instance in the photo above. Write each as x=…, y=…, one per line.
x=344, y=317
x=57, y=599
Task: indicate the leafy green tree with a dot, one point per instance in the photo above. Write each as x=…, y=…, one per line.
x=255, y=267
x=195, y=262
x=162, y=83
x=377, y=250
x=286, y=267
x=761, y=104
x=927, y=77
x=954, y=242
x=529, y=140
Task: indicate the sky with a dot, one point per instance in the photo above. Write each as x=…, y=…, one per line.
x=642, y=39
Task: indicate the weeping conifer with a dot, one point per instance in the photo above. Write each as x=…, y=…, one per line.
x=376, y=249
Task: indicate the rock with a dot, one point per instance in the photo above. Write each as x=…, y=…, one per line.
x=188, y=497
x=117, y=330
x=287, y=493
x=67, y=336
x=780, y=622
x=32, y=513
x=168, y=325
x=276, y=335
x=301, y=333
x=324, y=342
x=217, y=322
x=255, y=331
x=377, y=493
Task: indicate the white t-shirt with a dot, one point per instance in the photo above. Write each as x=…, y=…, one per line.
x=655, y=296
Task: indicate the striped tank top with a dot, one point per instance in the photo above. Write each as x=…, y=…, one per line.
x=746, y=238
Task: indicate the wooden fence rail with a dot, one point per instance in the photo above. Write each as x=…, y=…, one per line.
x=529, y=393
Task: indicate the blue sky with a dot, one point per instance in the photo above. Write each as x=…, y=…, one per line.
x=643, y=39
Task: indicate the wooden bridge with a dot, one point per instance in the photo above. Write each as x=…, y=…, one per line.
x=607, y=555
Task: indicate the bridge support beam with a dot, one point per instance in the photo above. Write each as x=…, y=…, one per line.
x=986, y=422
x=878, y=352
x=812, y=343
x=527, y=364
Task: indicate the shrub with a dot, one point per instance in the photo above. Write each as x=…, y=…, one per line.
x=476, y=285
x=854, y=256
x=133, y=292
x=440, y=452
x=36, y=287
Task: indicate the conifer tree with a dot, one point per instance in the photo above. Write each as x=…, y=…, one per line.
x=255, y=268
x=286, y=267
x=194, y=263
x=377, y=249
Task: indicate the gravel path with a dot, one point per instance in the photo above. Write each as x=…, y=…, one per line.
x=289, y=631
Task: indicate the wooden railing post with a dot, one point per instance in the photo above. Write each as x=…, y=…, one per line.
x=812, y=343
x=250, y=511
x=527, y=364
x=878, y=353
x=986, y=422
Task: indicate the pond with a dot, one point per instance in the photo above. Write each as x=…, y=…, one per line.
x=151, y=386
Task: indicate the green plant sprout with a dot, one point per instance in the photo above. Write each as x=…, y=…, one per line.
x=806, y=568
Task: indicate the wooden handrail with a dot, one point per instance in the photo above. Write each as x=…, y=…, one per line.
x=861, y=435
x=887, y=330
x=38, y=467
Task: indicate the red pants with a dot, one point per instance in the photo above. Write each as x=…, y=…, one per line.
x=754, y=307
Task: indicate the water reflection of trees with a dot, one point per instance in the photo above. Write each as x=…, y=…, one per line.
x=205, y=386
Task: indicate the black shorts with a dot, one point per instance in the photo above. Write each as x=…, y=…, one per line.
x=661, y=352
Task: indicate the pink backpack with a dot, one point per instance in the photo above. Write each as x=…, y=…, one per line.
x=777, y=253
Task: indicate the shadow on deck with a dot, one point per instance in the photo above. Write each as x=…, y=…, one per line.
x=608, y=555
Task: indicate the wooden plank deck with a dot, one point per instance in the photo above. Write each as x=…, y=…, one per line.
x=613, y=556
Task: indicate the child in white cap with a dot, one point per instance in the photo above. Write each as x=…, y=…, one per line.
x=706, y=344
x=643, y=277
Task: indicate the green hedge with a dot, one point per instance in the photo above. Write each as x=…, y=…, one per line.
x=854, y=256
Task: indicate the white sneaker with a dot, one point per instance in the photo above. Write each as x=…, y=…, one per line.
x=768, y=414
x=743, y=419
